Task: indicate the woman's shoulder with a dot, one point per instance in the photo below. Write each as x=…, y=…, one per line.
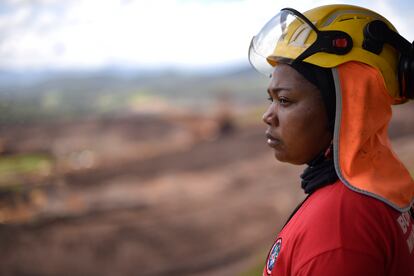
x=337, y=222
x=337, y=216
x=341, y=201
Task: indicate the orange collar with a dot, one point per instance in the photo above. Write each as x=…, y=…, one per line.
x=364, y=160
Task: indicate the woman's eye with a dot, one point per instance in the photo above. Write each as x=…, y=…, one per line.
x=280, y=100
x=283, y=101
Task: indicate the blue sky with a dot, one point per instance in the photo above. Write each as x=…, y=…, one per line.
x=182, y=33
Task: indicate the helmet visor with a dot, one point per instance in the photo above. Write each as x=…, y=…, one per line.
x=283, y=39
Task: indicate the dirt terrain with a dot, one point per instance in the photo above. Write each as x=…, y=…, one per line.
x=178, y=202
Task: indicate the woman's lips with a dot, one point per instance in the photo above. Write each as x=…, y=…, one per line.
x=272, y=141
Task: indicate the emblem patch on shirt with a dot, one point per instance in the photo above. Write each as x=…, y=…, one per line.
x=274, y=252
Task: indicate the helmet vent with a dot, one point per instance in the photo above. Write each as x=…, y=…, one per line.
x=343, y=15
x=345, y=19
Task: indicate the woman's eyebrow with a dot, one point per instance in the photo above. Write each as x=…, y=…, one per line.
x=276, y=90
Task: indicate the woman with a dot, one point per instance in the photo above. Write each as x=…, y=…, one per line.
x=335, y=72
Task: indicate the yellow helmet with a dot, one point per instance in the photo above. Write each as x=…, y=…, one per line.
x=328, y=36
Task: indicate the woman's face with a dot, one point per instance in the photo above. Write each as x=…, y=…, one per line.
x=296, y=117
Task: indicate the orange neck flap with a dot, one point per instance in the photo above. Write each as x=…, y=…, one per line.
x=363, y=156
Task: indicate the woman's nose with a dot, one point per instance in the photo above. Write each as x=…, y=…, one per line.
x=269, y=117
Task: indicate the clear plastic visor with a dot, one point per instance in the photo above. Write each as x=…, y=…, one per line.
x=285, y=37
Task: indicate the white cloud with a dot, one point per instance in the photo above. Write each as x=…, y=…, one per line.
x=95, y=33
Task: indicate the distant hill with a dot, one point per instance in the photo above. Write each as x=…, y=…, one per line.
x=75, y=92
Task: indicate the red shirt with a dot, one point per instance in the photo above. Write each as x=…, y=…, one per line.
x=341, y=232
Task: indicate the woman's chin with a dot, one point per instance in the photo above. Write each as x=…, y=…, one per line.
x=282, y=157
